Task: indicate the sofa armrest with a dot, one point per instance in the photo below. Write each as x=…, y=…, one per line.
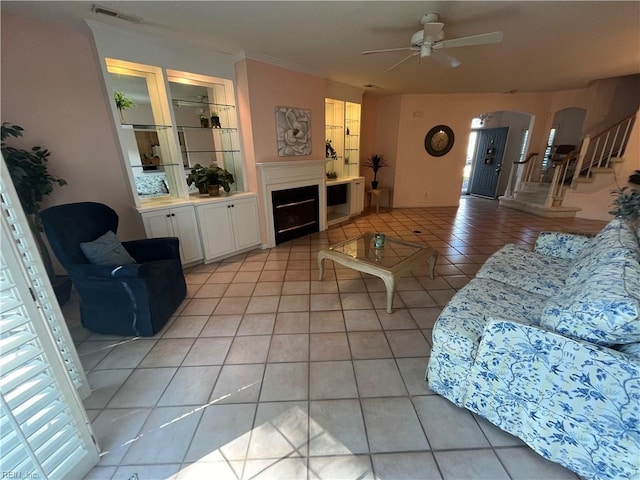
x=151, y=249
x=561, y=245
x=572, y=401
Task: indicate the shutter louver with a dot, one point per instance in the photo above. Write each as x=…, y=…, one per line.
x=47, y=302
x=38, y=432
x=44, y=431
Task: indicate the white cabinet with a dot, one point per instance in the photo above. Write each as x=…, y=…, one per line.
x=176, y=222
x=228, y=226
x=356, y=196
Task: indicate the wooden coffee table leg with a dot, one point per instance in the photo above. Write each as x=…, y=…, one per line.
x=321, y=265
x=390, y=283
x=432, y=265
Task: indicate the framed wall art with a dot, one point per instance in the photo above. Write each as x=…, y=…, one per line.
x=293, y=131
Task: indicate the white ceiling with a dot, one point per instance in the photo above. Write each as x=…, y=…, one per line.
x=547, y=46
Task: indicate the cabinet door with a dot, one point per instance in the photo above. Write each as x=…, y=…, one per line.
x=184, y=224
x=357, y=196
x=216, y=229
x=246, y=226
x=158, y=223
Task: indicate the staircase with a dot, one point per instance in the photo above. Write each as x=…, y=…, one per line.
x=587, y=170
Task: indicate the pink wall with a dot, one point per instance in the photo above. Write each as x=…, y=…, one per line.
x=52, y=87
x=268, y=87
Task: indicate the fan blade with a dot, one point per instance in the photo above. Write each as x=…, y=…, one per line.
x=402, y=61
x=482, y=39
x=433, y=31
x=446, y=59
x=368, y=52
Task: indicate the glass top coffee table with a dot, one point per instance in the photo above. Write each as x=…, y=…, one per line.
x=389, y=262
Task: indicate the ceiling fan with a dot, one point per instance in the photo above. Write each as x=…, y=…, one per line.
x=429, y=42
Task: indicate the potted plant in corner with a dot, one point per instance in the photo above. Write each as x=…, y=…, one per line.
x=627, y=205
x=375, y=162
x=122, y=103
x=32, y=181
x=218, y=177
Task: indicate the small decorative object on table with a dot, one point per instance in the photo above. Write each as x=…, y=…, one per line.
x=375, y=162
x=379, y=240
x=332, y=175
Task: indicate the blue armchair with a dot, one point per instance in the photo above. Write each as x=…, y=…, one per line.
x=132, y=299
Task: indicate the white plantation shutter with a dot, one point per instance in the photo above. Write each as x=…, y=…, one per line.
x=30, y=257
x=44, y=430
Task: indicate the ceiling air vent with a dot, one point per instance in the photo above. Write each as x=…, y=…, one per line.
x=115, y=14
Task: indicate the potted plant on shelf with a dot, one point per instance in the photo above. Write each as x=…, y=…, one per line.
x=375, y=162
x=215, y=120
x=122, y=103
x=204, y=121
x=209, y=179
x=198, y=176
x=218, y=177
x=32, y=181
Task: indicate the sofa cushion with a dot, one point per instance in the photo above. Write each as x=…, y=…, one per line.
x=521, y=268
x=457, y=332
x=616, y=239
x=106, y=250
x=604, y=308
x=632, y=349
x=562, y=244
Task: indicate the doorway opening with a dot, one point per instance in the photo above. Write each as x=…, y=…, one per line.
x=496, y=141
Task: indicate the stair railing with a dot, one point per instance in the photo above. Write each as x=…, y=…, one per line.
x=562, y=170
x=598, y=150
x=520, y=174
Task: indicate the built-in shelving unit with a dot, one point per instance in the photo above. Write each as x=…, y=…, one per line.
x=342, y=130
x=162, y=135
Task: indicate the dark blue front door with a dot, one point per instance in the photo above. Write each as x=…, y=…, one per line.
x=487, y=163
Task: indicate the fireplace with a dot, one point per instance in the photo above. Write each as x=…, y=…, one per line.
x=298, y=188
x=295, y=212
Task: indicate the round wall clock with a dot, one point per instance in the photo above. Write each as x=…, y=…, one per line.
x=439, y=140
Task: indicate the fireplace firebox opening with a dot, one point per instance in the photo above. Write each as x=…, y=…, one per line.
x=295, y=212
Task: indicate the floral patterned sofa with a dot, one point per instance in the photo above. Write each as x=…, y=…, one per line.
x=545, y=344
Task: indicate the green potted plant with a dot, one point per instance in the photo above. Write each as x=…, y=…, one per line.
x=199, y=177
x=215, y=120
x=204, y=121
x=122, y=103
x=218, y=177
x=210, y=179
x=627, y=205
x=32, y=181
x=375, y=162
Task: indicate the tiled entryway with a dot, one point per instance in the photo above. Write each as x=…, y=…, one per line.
x=266, y=372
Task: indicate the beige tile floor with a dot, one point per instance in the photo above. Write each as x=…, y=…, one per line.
x=266, y=372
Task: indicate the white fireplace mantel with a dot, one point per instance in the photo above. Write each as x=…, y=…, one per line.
x=275, y=176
